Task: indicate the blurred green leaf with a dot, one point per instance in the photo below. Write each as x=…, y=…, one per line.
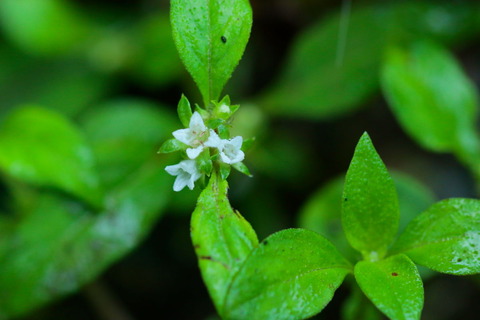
x=222, y=239
x=60, y=246
x=393, y=285
x=370, y=210
x=46, y=27
x=67, y=86
x=433, y=99
x=319, y=81
x=43, y=148
x=124, y=133
x=445, y=238
x=156, y=61
x=293, y=274
x=211, y=36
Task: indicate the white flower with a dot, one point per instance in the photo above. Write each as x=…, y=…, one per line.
x=230, y=151
x=187, y=173
x=197, y=136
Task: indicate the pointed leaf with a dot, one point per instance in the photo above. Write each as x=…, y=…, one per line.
x=172, y=145
x=211, y=36
x=293, y=274
x=393, y=285
x=41, y=147
x=222, y=239
x=370, y=211
x=184, y=111
x=241, y=167
x=445, y=238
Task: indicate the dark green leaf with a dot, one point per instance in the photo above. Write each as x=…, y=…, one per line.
x=445, y=238
x=430, y=96
x=222, y=239
x=43, y=148
x=293, y=274
x=393, y=285
x=184, y=111
x=370, y=211
x=124, y=133
x=211, y=36
x=172, y=145
x=60, y=246
x=329, y=73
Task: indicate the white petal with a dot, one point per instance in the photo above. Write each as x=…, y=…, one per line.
x=214, y=140
x=173, y=170
x=237, y=142
x=238, y=156
x=196, y=122
x=180, y=182
x=192, y=153
x=183, y=135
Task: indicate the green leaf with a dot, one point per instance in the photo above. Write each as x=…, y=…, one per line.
x=431, y=96
x=329, y=73
x=155, y=62
x=60, y=245
x=123, y=133
x=241, y=167
x=322, y=212
x=393, y=285
x=222, y=239
x=204, y=162
x=293, y=274
x=358, y=307
x=172, y=145
x=42, y=147
x=224, y=171
x=184, y=111
x=445, y=238
x=211, y=36
x=33, y=25
x=370, y=211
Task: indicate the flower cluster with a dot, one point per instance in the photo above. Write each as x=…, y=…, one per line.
x=202, y=146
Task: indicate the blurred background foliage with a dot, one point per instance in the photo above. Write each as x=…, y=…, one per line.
x=88, y=92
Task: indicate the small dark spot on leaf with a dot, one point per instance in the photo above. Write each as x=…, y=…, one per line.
x=196, y=246
x=224, y=39
x=394, y=274
x=345, y=199
x=205, y=258
x=459, y=260
x=265, y=242
x=221, y=217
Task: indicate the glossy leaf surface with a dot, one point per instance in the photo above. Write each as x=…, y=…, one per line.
x=211, y=36
x=393, y=285
x=41, y=147
x=293, y=274
x=370, y=210
x=445, y=238
x=222, y=239
x=322, y=212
